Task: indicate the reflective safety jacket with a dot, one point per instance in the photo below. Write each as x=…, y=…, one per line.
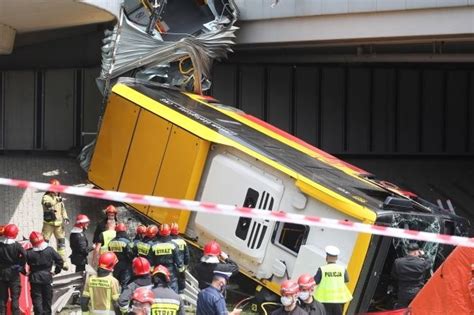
x=104, y=240
x=102, y=292
x=54, y=211
x=167, y=302
x=182, y=249
x=122, y=248
x=165, y=252
x=332, y=288
x=142, y=249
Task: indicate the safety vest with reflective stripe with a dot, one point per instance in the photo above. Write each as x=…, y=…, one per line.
x=332, y=288
x=107, y=236
x=101, y=291
x=165, y=307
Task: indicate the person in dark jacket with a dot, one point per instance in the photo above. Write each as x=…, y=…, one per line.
x=166, y=300
x=79, y=244
x=183, y=251
x=204, y=270
x=306, y=300
x=110, y=217
x=211, y=301
x=140, y=233
x=142, y=247
x=12, y=262
x=410, y=272
x=122, y=247
x=289, y=290
x=41, y=259
x=141, y=271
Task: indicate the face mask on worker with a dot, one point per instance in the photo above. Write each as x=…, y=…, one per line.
x=286, y=300
x=222, y=287
x=304, y=295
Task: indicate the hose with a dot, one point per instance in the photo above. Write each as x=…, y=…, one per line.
x=267, y=303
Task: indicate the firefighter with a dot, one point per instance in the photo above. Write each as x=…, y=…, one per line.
x=121, y=246
x=54, y=218
x=142, y=248
x=102, y=246
x=41, y=259
x=141, y=271
x=167, y=301
x=166, y=253
x=110, y=219
x=101, y=291
x=79, y=244
x=183, y=251
x=307, y=302
x=289, y=290
x=140, y=234
x=210, y=261
x=142, y=299
x=211, y=301
x=12, y=262
x=331, y=280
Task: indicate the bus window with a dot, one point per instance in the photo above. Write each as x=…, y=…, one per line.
x=290, y=237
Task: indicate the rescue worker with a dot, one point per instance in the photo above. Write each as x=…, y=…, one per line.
x=166, y=300
x=142, y=248
x=79, y=244
x=307, y=302
x=101, y=291
x=211, y=301
x=410, y=272
x=183, y=251
x=289, y=290
x=166, y=253
x=331, y=282
x=54, y=218
x=140, y=233
x=210, y=261
x=110, y=219
x=142, y=273
x=41, y=259
x=121, y=246
x=142, y=299
x=105, y=237
x=12, y=262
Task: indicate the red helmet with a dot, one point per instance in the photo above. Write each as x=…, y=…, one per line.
x=36, y=238
x=151, y=231
x=162, y=270
x=165, y=230
x=289, y=287
x=10, y=231
x=141, y=230
x=306, y=282
x=111, y=209
x=107, y=261
x=143, y=295
x=82, y=220
x=121, y=227
x=141, y=266
x=212, y=249
x=174, y=229
x=54, y=181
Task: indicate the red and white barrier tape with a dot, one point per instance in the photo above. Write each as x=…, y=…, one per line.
x=207, y=207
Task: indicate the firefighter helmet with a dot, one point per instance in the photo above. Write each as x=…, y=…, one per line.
x=141, y=230
x=163, y=271
x=140, y=266
x=289, y=287
x=151, y=231
x=121, y=227
x=174, y=229
x=165, y=230
x=54, y=182
x=306, y=281
x=212, y=248
x=111, y=209
x=143, y=295
x=107, y=261
x=36, y=238
x=82, y=220
x=10, y=231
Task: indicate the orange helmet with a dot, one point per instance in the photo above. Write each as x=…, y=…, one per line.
x=36, y=238
x=162, y=270
x=121, y=227
x=143, y=295
x=111, y=209
x=54, y=181
x=107, y=261
x=289, y=287
x=306, y=281
x=10, y=231
x=174, y=229
x=151, y=231
x=212, y=248
x=165, y=230
x=141, y=230
x=140, y=266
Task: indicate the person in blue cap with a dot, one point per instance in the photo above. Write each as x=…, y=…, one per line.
x=211, y=300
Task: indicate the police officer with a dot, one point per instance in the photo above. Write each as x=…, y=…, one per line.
x=410, y=272
x=54, y=217
x=142, y=299
x=331, y=280
x=109, y=220
x=183, y=251
x=289, y=290
x=41, y=259
x=12, y=262
x=211, y=300
x=142, y=248
x=121, y=246
x=166, y=301
x=307, y=302
x=210, y=261
x=101, y=291
x=165, y=252
x=79, y=244
x=141, y=271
